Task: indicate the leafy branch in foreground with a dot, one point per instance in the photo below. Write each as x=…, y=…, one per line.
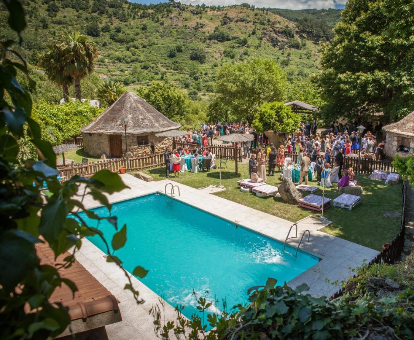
x=29, y=217
x=280, y=312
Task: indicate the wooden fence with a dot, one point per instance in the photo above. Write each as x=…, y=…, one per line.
x=368, y=165
x=133, y=163
x=393, y=252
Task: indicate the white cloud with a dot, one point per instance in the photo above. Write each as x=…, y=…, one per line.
x=289, y=4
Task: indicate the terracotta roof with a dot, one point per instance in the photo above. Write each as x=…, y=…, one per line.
x=91, y=299
x=142, y=118
x=404, y=127
x=302, y=105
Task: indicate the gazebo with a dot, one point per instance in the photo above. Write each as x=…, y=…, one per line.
x=301, y=107
x=400, y=137
x=129, y=123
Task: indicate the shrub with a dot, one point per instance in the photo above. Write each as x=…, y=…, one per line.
x=199, y=55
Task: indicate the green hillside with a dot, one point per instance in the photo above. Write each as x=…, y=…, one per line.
x=177, y=44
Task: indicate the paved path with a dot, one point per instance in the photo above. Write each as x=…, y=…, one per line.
x=337, y=256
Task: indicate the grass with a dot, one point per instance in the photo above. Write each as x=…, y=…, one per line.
x=76, y=155
x=365, y=224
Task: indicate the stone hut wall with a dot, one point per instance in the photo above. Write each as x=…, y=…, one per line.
x=392, y=144
x=98, y=144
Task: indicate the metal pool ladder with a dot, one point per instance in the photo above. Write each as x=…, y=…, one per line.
x=287, y=237
x=297, y=248
x=172, y=192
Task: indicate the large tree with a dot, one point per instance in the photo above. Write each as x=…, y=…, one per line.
x=53, y=63
x=368, y=66
x=80, y=55
x=109, y=92
x=243, y=87
x=277, y=117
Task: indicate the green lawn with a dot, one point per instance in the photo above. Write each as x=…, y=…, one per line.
x=365, y=225
x=77, y=155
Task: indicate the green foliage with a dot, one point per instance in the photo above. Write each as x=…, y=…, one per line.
x=276, y=116
x=199, y=55
x=220, y=35
x=405, y=167
x=28, y=217
x=279, y=312
x=63, y=121
x=367, y=67
x=110, y=91
x=243, y=87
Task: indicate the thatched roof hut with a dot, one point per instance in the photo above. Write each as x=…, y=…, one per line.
x=400, y=137
x=107, y=134
x=142, y=118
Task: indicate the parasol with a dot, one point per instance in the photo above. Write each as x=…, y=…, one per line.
x=236, y=138
x=62, y=148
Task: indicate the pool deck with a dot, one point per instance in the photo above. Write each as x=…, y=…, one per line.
x=338, y=256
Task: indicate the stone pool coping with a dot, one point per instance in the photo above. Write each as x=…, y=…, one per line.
x=338, y=256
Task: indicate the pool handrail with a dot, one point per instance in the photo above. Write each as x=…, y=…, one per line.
x=297, y=248
x=287, y=236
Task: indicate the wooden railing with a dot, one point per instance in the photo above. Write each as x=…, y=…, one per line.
x=368, y=165
x=133, y=163
x=393, y=252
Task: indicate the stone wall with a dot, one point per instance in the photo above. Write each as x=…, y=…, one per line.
x=98, y=144
x=392, y=144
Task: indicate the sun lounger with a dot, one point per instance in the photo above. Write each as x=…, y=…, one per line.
x=392, y=177
x=346, y=201
x=265, y=190
x=379, y=174
x=314, y=202
x=307, y=188
x=248, y=184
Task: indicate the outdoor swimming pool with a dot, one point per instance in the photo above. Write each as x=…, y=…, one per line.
x=191, y=253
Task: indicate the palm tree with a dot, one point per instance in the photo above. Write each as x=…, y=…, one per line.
x=110, y=91
x=79, y=57
x=52, y=63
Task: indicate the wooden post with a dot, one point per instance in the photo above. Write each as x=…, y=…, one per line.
x=235, y=158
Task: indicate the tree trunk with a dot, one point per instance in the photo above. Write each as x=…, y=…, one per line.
x=78, y=94
x=66, y=93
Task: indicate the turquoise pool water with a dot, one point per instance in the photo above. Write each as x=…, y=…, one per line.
x=191, y=253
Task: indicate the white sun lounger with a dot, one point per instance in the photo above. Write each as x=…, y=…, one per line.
x=247, y=183
x=265, y=190
x=346, y=201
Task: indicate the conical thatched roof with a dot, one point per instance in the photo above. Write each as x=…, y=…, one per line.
x=142, y=118
x=404, y=127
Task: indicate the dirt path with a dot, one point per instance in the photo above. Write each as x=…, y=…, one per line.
x=409, y=232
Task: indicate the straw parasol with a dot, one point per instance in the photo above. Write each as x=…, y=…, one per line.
x=62, y=148
x=236, y=138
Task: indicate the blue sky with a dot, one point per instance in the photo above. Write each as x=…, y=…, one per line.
x=290, y=4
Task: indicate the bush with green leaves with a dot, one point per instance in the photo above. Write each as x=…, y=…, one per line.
x=405, y=167
x=63, y=121
x=28, y=217
x=280, y=312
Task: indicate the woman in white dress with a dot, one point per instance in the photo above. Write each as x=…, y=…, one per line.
x=261, y=165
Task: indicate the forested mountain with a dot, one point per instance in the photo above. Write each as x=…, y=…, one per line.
x=174, y=43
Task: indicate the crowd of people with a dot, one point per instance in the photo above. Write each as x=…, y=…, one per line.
x=325, y=151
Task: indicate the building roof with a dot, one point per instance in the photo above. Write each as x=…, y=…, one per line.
x=142, y=118
x=404, y=127
x=301, y=105
x=92, y=301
